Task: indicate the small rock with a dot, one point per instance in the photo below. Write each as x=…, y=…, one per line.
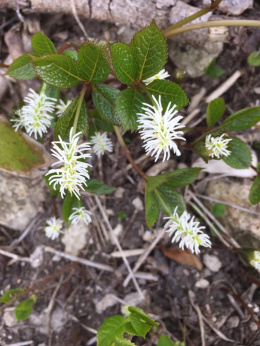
x=75, y=238
x=117, y=231
x=37, y=257
x=202, y=283
x=253, y=327
x=212, y=262
x=138, y=204
x=134, y=299
x=106, y=302
x=234, y=7
x=9, y=317
x=119, y=192
x=233, y=322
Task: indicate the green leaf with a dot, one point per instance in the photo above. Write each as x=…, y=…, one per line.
x=122, y=342
x=243, y=119
x=104, y=97
x=164, y=341
x=142, y=315
x=169, y=91
x=215, y=110
x=72, y=54
x=178, y=178
x=17, y=153
x=254, y=58
x=151, y=208
x=139, y=327
x=258, y=167
x=240, y=157
x=124, y=62
x=66, y=121
x=128, y=103
x=113, y=327
x=218, y=209
x=24, y=309
x=42, y=44
x=169, y=198
x=8, y=295
x=254, y=194
x=58, y=70
x=98, y=188
x=70, y=202
x=151, y=51
x=213, y=71
x=22, y=68
x=93, y=61
x=100, y=123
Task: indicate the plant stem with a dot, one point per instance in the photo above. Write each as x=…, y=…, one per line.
x=81, y=98
x=67, y=45
x=196, y=15
x=214, y=23
x=4, y=65
x=127, y=154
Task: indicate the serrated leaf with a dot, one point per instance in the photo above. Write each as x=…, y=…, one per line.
x=16, y=153
x=70, y=202
x=140, y=327
x=129, y=102
x=142, y=315
x=22, y=68
x=100, y=123
x=218, y=209
x=66, y=121
x=240, y=157
x=72, y=54
x=98, y=188
x=254, y=194
x=164, y=341
x=254, y=58
x=151, y=51
x=243, y=119
x=58, y=70
x=104, y=97
x=169, y=91
x=113, y=327
x=215, y=110
x=93, y=61
x=212, y=70
x=42, y=44
x=124, y=62
x=168, y=198
x=151, y=208
x=178, y=178
x=8, y=295
x=24, y=309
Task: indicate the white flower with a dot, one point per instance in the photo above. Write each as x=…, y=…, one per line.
x=187, y=231
x=54, y=228
x=159, y=130
x=62, y=106
x=80, y=214
x=101, y=143
x=74, y=172
x=160, y=75
x=35, y=116
x=217, y=145
x=255, y=261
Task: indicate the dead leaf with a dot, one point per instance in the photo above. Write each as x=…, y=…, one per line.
x=182, y=256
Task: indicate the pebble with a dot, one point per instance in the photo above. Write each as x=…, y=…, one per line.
x=119, y=192
x=233, y=322
x=138, y=204
x=202, y=283
x=107, y=301
x=212, y=262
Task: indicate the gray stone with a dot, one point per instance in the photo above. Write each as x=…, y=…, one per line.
x=212, y=263
x=234, y=7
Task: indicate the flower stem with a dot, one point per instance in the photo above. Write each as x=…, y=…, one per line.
x=127, y=154
x=196, y=15
x=80, y=101
x=214, y=23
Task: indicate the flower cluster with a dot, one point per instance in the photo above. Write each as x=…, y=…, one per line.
x=35, y=117
x=255, y=260
x=101, y=143
x=159, y=130
x=187, y=231
x=160, y=75
x=74, y=171
x=80, y=214
x=54, y=228
x=218, y=146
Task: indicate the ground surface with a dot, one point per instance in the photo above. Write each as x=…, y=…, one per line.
x=225, y=292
